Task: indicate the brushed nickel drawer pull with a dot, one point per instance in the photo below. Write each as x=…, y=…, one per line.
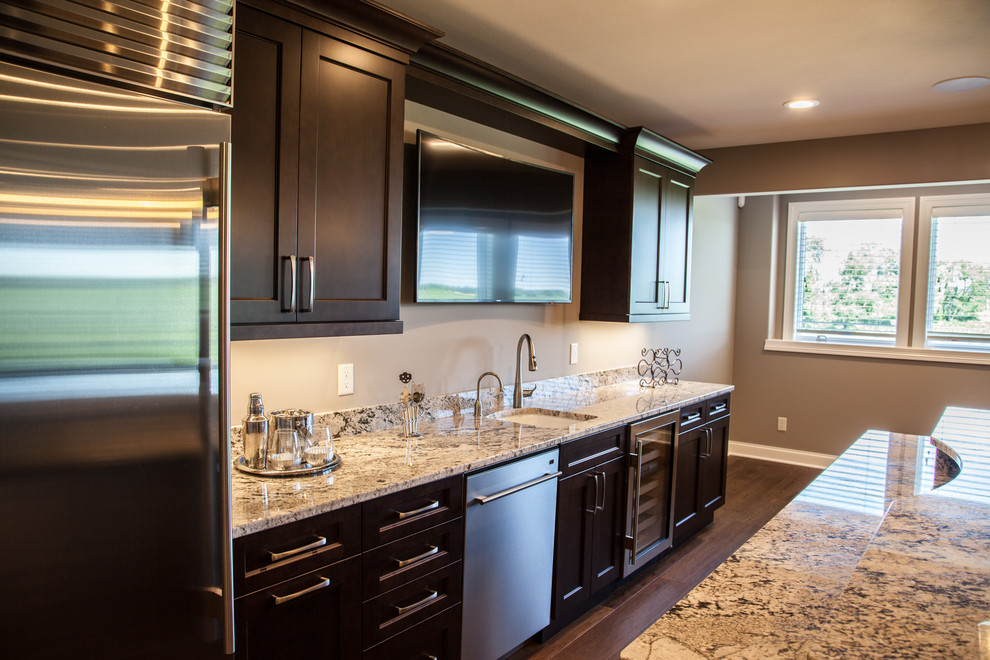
x=693, y=417
x=719, y=408
x=324, y=583
x=278, y=556
x=434, y=504
x=432, y=595
x=412, y=560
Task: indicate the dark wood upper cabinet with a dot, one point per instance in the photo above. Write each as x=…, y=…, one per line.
x=316, y=178
x=638, y=207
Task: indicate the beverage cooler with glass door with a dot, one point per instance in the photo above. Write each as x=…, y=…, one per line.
x=649, y=515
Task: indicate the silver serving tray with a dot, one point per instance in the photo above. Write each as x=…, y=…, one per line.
x=295, y=472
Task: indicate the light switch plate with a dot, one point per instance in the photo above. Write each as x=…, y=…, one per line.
x=574, y=354
x=345, y=379
x=781, y=423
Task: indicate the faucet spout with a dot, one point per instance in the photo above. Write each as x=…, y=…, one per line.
x=477, y=394
x=517, y=391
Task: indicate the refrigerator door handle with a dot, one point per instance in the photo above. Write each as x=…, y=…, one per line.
x=226, y=512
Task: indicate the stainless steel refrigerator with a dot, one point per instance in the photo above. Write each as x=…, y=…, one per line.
x=113, y=415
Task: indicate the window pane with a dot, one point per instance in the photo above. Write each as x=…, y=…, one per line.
x=959, y=283
x=848, y=273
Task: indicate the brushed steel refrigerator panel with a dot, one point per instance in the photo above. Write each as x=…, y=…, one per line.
x=112, y=385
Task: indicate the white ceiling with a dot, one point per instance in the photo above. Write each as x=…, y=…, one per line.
x=715, y=73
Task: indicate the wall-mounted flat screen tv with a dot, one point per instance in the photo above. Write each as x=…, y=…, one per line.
x=491, y=229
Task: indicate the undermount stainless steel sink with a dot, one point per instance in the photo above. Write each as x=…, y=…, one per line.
x=558, y=419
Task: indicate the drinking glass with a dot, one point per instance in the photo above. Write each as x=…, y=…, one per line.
x=285, y=453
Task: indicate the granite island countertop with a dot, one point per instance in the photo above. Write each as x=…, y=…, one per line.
x=874, y=559
x=376, y=463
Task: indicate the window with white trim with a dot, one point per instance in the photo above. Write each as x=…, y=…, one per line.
x=954, y=273
x=874, y=272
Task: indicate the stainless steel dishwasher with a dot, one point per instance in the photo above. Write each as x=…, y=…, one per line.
x=508, y=555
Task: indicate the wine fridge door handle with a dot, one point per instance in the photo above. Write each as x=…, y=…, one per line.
x=635, y=503
x=289, y=284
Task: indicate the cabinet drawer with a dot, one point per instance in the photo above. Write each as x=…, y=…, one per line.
x=586, y=453
x=392, y=517
x=693, y=415
x=438, y=637
x=402, y=608
x=717, y=407
x=393, y=564
x=311, y=616
x=284, y=552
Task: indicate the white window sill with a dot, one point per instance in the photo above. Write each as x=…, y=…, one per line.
x=881, y=352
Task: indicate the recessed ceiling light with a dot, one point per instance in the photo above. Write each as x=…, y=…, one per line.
x=962, y=84
x=801, y=104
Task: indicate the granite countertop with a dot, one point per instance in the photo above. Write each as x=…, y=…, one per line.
x=875, y=559
x=376, y=463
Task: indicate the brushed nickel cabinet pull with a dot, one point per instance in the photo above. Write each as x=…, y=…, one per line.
x=324, y=583
x=289, y=284
x=278, y=556
x=412, y=560
x=307, y=306
x=434, y=504
x=432, y=595
x=693, y=417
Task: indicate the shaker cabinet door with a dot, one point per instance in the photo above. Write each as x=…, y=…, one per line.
x=349, y=183
x=264, y=161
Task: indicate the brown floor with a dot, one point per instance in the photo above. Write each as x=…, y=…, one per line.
x=755, y=492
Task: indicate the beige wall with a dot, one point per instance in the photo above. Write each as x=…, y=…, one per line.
x=446, y=347
x=829, y=401
x=954, y=153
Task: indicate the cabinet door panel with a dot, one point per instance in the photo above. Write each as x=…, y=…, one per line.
x=351, y=133
x=265, y=132
x=320, y=623
x=606, y=554
x=675, y=243
x=687, y=497
x=645, y=240
x=713, y=483
x=575, y=517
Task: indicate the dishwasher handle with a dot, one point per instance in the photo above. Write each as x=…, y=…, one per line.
x=515, y=489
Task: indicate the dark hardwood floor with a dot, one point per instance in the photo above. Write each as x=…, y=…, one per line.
x=755, y=492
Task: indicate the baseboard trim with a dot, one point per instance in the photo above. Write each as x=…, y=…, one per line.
x=780, y=455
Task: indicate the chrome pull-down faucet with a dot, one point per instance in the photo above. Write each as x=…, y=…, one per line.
x=517, y=391
x=477, y=394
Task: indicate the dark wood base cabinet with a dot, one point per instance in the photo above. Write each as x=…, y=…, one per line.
x=312, y=616
x=702, y=454
x=590, y=507
x=297, y=589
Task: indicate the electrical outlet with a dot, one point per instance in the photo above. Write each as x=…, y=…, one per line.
x=345, y=379
x=574, y=353
x=781, y=423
